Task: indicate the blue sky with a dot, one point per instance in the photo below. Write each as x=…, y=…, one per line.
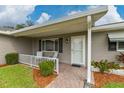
x=13, y=15
x=57, y=11
x=120, y=10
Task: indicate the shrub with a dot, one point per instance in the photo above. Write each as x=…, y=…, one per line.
x=46, y=68
x=105, y=66
x=11, y=58
x=120, y=57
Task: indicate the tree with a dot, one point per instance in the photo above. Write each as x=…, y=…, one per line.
x=19, y=26
x=29, y=23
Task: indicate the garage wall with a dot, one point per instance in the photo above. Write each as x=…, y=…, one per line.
x=10, y=44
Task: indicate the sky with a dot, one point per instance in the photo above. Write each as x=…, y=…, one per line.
x=13, y=15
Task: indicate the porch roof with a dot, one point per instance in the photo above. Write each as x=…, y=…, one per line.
x=69, y=24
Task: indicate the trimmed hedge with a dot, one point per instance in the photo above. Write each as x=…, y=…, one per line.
x=46, y=68
x=12, y=58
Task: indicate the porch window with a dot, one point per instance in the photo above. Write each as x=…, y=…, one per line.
x=52, y=45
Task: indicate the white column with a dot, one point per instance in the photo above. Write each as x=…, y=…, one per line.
x=89, y=25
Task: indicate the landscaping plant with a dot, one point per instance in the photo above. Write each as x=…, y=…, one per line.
x=12, y=58
x=46, y=68
x=104, y=65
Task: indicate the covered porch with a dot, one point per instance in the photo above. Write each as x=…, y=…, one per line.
x=69, y=77
x=76, y=30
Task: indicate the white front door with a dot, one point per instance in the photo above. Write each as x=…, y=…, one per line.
x=78, y=50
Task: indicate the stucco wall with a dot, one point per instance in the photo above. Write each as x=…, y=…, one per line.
x=64, y=57
x=100, y=47
x=12, y=44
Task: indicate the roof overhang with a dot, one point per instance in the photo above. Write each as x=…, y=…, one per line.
x=109, y=27
x=5, y=32
x=116, y=36
x=69, y=24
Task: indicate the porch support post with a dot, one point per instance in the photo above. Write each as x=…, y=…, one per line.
x=89, y=35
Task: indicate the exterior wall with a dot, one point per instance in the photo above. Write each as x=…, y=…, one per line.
x=10, y=44
x=64, y=57
x=100, y=47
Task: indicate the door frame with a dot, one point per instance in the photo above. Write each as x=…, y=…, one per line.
x=84, y=50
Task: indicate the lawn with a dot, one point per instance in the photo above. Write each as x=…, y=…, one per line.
x=114, y=85
x=16, y=76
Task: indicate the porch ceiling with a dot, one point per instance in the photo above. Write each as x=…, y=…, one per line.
x=70, y=24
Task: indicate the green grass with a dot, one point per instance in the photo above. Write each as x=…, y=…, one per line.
x=114, y=85
x=16, y=76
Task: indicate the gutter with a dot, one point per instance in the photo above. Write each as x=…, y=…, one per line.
x=5, y=32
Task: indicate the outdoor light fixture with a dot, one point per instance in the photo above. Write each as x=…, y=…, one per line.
x=66, y=40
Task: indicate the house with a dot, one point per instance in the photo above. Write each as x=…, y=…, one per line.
x=75, y=37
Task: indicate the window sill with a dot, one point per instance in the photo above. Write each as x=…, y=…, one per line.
x=120, y=50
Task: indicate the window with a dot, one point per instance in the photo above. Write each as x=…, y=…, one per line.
x=116, y=46
x=120, y=46
x=52, y=45
x=111, y=45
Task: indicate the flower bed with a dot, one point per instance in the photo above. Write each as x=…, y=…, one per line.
x=103, y=79
x=41, y=80
x=2, y=65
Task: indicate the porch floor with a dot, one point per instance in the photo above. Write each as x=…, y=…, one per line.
x=69, y=77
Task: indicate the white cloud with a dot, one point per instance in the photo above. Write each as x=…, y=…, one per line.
x=88, y=8
x=43, y=18
x=93, y=6
x=74, y=12
x=111, y=16
x=12, y=15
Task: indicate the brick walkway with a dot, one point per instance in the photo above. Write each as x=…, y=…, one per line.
x=69, y=77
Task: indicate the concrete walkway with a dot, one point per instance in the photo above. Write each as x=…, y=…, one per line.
x=69, y=77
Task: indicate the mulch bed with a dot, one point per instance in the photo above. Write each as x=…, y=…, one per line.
x=41, y=80
x=2, y=65
x=121, y=67
x=102, y=79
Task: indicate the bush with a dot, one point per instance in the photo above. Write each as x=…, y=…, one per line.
x=105, y=66
x=46, y=68
x=12, y=58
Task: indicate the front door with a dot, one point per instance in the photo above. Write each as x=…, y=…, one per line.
x=78, y=50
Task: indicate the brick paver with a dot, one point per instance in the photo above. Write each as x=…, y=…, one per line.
x=69, y=77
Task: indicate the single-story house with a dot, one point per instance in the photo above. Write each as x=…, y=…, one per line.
x=75, y=37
